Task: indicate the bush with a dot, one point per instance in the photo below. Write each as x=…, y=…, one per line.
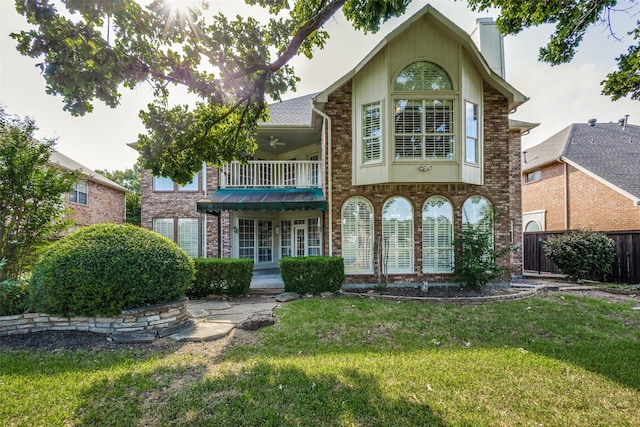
x=475, y=263
x=581, y=253
x=312, y=275
x=106, y=268
x=216, y=276
x=14, y=295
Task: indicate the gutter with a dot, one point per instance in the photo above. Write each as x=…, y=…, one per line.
x=327, y=120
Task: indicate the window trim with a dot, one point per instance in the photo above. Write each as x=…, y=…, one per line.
x=175, y=229
x=176, y=187
x=77, y=192
x=477, y=138
x=533, y=176
x=449, y=248
x=423, y=97
x=364, y=140
x=410, y=250
x=368, y=251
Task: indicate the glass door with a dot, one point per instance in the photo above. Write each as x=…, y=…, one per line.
x=300, y=240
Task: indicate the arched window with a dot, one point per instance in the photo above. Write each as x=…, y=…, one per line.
x=357, y=235
x=423, y=76
x=424, y=119
x=532, y=226
x=477, y=211
x=397, y=236
x=437, y=235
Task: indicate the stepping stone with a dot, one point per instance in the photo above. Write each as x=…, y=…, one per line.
x=635, y=308
x=202, y=331
x=133, y=337
x=287, y=296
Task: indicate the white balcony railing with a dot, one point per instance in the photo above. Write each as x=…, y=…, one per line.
x=271, y=174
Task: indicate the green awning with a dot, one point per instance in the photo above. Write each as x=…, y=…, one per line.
x=262, y=199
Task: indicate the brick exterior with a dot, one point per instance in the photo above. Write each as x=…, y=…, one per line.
x=104, y=204
x=591, y=204
x=182, y=204
x=501, y=183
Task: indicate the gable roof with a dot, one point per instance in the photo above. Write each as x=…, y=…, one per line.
x=67, y=163
x=513, y=95
x=608, y=152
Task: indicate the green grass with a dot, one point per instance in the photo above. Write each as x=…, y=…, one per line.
x=550, y=361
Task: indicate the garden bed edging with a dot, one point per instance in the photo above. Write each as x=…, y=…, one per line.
x=149, y=319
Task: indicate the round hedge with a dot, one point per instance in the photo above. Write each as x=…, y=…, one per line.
x=105, y=268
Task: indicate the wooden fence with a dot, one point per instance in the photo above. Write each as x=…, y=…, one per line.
x=624, y=269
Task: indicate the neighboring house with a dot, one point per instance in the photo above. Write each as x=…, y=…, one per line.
x=94, y=198
x=586, y=176
x=380, y=168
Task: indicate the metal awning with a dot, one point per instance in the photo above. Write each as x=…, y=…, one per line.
x=262, y=199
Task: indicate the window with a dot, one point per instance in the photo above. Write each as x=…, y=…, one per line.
x=472, y=133
x=357, y=235
x=246, y=238
x=423, y=76
x=265, y=241
x=314, y=237
x=161, y=183
x=532, y=226
x=285, y=239
x=187, y=236
x=477, y=211
x=371, y=133
x=79, y=193
x=437, y=235
x=534, y=176
x=397, y=236
x=424, y=129
x=424, y=125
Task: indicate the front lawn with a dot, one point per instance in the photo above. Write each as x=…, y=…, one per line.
x=550, y=360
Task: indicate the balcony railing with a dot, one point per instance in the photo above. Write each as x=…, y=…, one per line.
x=271, y=174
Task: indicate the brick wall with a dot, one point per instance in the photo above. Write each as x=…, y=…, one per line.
x=547, y=194
x=105, y=204
x=182, y=204
x=592, y=205
x=501, y=182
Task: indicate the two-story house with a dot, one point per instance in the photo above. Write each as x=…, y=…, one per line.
x=380, y=168
x=584, y=177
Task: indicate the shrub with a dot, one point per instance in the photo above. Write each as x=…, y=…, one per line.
x=475, y=263
x=312, y=275
x=581, y=253
x=105, y=268
x=14, y=295
x=216, y=276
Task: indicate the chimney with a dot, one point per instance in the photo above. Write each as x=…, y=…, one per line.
x=490, y=43
x=623, y=121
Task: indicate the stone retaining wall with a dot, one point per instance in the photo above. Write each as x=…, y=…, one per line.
x=154, y=318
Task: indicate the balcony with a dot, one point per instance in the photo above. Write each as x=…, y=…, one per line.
x=272, y=174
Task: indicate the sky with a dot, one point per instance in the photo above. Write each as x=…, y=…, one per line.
x=558, y=96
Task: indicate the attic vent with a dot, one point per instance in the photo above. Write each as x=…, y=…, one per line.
x=592, y=122
x=623, y=121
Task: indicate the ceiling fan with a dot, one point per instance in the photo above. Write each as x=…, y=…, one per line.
x=273, y=142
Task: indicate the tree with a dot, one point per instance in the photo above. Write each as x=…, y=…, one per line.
x=31, y=203
x=91, y=49
x=572, y=20
x=129, y=179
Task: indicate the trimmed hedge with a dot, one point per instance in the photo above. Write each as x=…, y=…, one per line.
x=313, y=274
x=106, y=268
x=221, y=276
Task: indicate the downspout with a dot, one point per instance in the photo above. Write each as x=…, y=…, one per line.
x=566, y=198
x=327, y=120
